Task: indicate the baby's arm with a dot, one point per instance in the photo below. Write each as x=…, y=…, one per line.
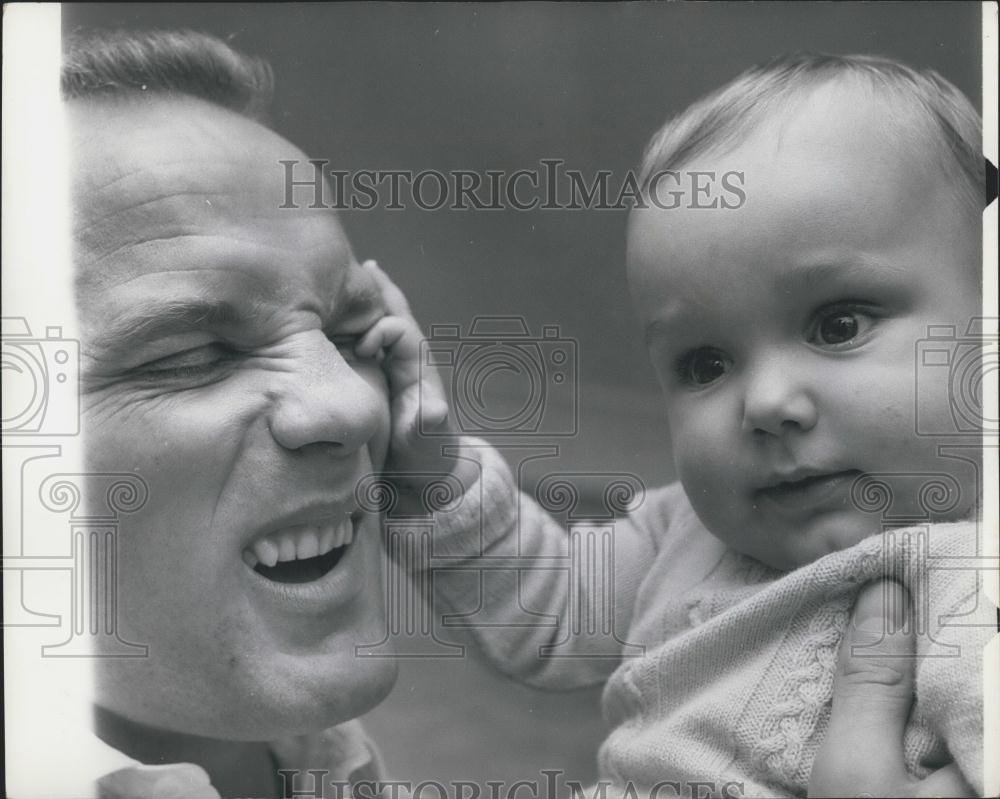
x=547, y=615
x=507, y=559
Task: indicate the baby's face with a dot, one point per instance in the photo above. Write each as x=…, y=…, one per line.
x=785, y=332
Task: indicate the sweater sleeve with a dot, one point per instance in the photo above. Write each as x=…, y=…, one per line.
x=547, y=603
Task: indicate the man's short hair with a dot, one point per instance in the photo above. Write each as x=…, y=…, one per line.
x=953, y=128
x=129, y=63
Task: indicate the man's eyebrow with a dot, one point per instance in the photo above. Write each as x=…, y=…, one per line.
x=155, y=319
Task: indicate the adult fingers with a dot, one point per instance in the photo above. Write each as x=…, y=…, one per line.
x=872, y=696
x=947, y=781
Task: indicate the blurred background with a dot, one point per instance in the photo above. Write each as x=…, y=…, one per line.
x=501, y=87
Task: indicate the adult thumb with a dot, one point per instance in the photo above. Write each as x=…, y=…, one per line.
x=872, y=697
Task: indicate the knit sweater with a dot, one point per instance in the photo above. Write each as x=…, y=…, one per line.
x=719, y=669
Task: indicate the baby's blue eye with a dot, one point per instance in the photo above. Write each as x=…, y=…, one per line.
x=702, y=366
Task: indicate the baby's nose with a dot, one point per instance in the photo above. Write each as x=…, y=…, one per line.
x=777, y=402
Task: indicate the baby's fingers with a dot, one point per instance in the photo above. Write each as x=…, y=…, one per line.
x=387, y=333
x=395, y=300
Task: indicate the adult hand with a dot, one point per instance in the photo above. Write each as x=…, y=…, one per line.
x=862, y=754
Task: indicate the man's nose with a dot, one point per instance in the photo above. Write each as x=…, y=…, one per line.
x=323, y=400
x=778, y=399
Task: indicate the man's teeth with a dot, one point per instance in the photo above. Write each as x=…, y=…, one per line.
x=328, y=538
x=265, y=551
x=300, y=543
x=307, y=545
x=286, y=547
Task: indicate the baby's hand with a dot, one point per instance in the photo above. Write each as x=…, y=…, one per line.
x=417, y=398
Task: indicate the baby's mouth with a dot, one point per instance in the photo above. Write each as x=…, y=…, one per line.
x=302, y=553
x=809, y=491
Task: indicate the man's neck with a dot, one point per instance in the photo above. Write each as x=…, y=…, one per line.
x=236, y=768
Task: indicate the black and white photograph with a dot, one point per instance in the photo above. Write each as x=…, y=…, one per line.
x=500, y=400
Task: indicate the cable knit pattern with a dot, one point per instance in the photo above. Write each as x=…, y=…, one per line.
x=801, y=699
x=735, y=679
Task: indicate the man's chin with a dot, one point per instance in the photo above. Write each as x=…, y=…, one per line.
x=264, y=702
x=281, y=712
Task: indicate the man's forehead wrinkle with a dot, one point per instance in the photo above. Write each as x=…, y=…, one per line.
x=142, y=186
x=219, y=204
x=205, y=172
x=135, y=245
x=121, y=280
x=107, y=260
x=121, y=210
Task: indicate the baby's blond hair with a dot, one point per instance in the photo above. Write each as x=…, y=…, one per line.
x=724, y=117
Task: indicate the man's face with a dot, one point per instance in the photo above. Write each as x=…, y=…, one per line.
x=217, y=339
x=785, y=332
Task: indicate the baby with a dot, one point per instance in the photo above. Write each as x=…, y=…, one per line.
x=785, y=332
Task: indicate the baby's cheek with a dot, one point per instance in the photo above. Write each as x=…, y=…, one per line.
x=703, y=442
x=704, y=468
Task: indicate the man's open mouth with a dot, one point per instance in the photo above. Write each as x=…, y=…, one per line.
x=302, y=553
